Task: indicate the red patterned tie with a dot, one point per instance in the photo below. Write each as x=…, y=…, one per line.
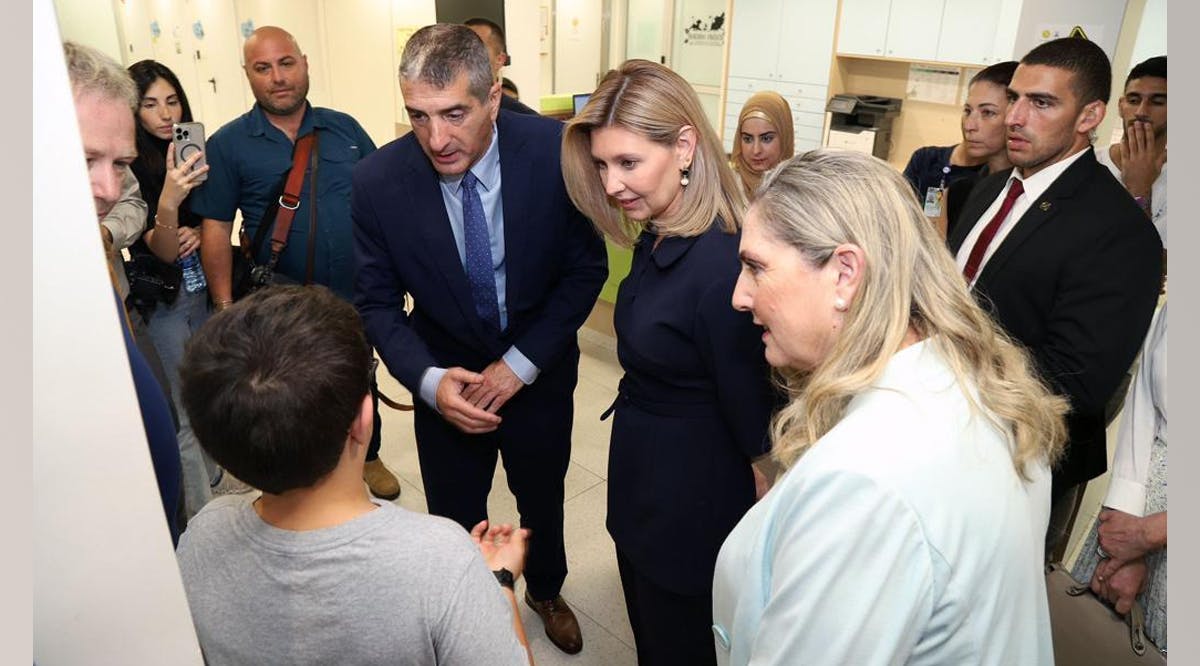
x=1015, y=189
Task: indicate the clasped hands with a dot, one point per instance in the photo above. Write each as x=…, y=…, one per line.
x=1126, y=540
x=470, y=400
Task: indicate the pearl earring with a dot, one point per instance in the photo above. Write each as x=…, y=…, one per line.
x=840, y=305
x=683, y=177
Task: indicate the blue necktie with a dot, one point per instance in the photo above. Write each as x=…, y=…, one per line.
x=478, y=243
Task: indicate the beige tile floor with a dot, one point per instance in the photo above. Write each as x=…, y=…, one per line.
x=592, y=588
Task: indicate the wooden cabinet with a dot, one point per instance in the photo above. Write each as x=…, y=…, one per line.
x=785, y=46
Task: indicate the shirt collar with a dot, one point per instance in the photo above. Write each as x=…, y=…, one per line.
x=486, y=168
x=259, y=122
x=670, y=249
x=1037, y=184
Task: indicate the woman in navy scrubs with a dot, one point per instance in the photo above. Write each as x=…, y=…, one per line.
x=641, y=161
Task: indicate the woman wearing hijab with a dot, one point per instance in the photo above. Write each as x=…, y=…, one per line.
x=764, y=137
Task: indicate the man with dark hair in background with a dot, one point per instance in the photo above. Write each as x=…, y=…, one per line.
x=493, y=37
x=249, y=158
x=316, y=571
x=1061, y=255
x=1139, y=159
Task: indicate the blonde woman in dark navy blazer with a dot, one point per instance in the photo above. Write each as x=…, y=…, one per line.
x=641, y=161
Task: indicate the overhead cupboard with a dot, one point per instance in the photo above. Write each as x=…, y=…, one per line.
x=969, y=32
x=960, y=31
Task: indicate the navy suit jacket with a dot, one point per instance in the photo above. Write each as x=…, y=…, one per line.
x=1075, y=282
x=403, y=245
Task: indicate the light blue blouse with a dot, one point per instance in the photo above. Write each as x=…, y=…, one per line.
x=904, y=536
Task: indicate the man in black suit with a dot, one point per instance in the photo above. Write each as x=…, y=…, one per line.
x=493, y=37
x=1061, y=255
x=469, y=216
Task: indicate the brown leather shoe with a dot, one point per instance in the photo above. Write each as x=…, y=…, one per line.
x=561, y=626
x=380, y=480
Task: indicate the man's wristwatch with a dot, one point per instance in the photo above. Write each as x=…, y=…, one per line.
x=504, y=577
x=1142, y=203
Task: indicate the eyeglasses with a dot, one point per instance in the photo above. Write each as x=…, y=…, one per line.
x=371, y=371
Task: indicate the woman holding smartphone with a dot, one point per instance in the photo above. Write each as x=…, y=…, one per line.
x=172, y=235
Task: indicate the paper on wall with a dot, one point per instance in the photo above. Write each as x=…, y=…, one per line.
x=938, y=85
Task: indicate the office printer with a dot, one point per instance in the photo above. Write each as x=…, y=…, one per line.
x=861, y=122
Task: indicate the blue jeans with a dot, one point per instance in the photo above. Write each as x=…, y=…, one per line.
x=170, y=327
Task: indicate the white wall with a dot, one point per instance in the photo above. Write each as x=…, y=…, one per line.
x=407, y=17
x=522, y=28
x=1151, y=37
x=546, y=48
x=90, y=22
x=358, y=53
x=577, y=45
x=106, y=586
x=1101, y=20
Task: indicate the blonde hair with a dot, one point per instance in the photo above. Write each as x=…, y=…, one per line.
x=825, y=198
x=92, y=72
x=770, y=106
x=653, y=102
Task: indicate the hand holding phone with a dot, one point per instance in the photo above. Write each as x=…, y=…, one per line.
x=188, y=140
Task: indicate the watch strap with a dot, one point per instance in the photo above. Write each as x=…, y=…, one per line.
x=504, y=577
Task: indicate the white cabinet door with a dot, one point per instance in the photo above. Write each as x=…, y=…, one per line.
x=863, y=27
x=805, y=50
x=913, y=28
x=754, y=49
x=969, y=31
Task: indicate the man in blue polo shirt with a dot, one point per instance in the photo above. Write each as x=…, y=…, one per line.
x=250, y=157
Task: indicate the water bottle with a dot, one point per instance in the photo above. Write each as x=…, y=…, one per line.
x=193, y=275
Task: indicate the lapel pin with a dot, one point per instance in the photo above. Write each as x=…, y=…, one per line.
x=1045, y=206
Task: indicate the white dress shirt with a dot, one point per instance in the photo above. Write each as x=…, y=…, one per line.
x=1035, y=186
x=1143, y=420
x=487, y=173
x=903, y=536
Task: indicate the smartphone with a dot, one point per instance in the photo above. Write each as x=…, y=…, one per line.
x=188, y=139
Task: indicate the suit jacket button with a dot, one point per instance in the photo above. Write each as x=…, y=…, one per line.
x=722, y=637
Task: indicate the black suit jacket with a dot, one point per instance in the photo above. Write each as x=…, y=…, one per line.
x=555, y=260
x=517, y=106
x=1075, y=281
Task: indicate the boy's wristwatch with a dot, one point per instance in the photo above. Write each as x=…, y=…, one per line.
x=504, y=577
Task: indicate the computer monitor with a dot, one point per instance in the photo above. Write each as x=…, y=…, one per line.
x=579, y=99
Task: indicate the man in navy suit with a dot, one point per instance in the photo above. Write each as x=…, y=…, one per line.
x=469, y=216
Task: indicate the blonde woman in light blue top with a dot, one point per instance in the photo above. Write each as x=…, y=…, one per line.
x=917, y=441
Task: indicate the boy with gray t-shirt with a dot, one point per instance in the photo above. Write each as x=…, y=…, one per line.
x=315, y=571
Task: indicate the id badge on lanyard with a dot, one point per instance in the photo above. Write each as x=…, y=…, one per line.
x=934, y=196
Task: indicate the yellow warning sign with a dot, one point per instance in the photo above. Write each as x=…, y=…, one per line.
x=1077, y=31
